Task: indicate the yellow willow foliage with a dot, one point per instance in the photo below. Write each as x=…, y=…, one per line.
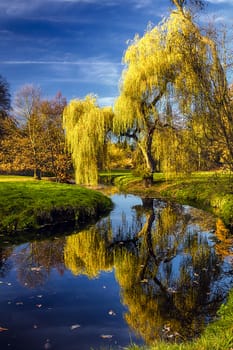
x=147, y=313
x=144, y=316
x=167, y=61
x=126, y=268
x=86, y=126
x=85, y=253
x=168, y=221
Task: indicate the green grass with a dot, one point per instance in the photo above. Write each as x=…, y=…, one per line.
x=27, y=203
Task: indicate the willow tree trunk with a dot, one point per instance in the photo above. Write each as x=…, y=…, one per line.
x=146, y=149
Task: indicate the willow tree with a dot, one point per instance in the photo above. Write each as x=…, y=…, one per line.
x=172, y=70
x=87, y=126
x=211, y=103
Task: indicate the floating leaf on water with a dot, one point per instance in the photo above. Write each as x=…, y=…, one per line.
x=47, y=344
x=112, y=313
x=37, y=269
x=75, y=326
x=106, y=336
x=2, y=329
x=144, y=281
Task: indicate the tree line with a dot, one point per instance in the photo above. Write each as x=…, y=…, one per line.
x=173, y=113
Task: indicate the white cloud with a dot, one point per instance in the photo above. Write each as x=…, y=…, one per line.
x=19, y=7
x=106, y=101
x=217, y=17
x=92, y=70
x=215, y=2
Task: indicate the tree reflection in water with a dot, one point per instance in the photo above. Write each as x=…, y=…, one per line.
x=168, y=286
x=36, y=259
x=5, y=265
x=169, y=269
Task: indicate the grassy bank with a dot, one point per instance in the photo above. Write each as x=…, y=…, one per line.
x=217, y=336
x=212, y=191
x=27, y=203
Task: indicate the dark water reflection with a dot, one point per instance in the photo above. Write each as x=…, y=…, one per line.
x=150, y=270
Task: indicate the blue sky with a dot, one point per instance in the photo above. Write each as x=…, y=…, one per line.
x=76, y=46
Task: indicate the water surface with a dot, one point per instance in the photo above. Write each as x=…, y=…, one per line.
x=150, y=270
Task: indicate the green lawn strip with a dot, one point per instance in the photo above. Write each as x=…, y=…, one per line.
x=218, y=335
x=32, y=204
x=109, y=177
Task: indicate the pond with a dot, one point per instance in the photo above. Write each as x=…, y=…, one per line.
x=150, y=270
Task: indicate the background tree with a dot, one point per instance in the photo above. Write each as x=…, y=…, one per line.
x=87, y=127
x=38, y=141
x=120, y=155
x=27, y=101
x=14, y=150
x=55, y=160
